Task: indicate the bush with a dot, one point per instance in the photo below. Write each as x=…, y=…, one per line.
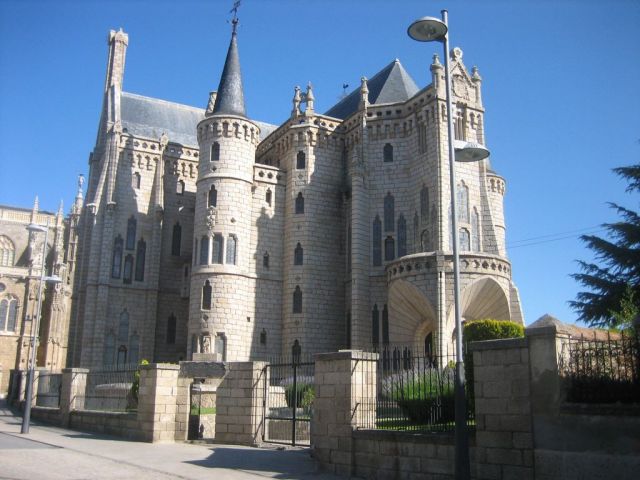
x=135, y=385
x=479, y=330
x=305, y=388
x=424, y=397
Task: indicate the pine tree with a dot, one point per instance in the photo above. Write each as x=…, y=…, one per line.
x=613, y=281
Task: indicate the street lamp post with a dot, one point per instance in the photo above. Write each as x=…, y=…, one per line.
x=429, y=29
x=35, y=325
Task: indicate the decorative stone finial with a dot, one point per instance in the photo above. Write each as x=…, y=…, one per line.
x=364, y=92
x=60, y=212
x=297, y=98
x=475, y=74
x=456, y=54
x=309, y=97
x=164, y=140
x=436, y=61
x=77, y=206
x=212, y=101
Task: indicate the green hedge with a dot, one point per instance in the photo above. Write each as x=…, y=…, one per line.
x=305, y=395
x=479, y=330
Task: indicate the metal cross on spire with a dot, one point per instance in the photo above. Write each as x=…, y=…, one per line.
x=234, y=10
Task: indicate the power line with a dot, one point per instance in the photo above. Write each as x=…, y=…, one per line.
x=555, y=237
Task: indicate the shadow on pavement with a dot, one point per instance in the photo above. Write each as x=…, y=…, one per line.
x=282, y=463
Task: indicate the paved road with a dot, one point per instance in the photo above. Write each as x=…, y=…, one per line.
x=54, y=453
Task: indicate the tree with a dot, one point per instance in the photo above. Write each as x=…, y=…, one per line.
x=613, y=281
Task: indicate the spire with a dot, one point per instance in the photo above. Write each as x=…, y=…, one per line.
x=230, y=98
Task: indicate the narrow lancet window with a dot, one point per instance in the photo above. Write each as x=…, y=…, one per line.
x=206, y=296
x=215, y=151
x=301, y=160
x=387, y=152
x=297, y=300
x=389, y=215
x=298, y=255
x=141, y=252
x=300, y=203
x=377, y=242
x=402, y=236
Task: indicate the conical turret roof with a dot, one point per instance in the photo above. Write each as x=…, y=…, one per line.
x=230, y=98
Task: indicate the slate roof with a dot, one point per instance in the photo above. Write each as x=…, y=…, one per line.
x=392, y=84
x=230, y=98
x=150, y=117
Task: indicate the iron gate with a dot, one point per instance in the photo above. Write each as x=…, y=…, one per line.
x=288, y=401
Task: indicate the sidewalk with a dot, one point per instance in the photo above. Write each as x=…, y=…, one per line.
x=54, y=453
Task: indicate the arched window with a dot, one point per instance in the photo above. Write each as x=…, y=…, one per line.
x=389, y=249
x=425, y=242
x=232, y=245
x=7, y=251
x=348, y=329
x=180, y=187
x=385, y=325
x=387, y=152
x=402, y=236
x=296, y=352
x=109, y=349
x=141, y=253
x=268, y=196
x=424, y=204
x=116, y=263
x=212, y=200
x=136, y=179
x=218, y=251
x=204, y=250
x=176, y=239
x=463, y=235
x=463, y=203
x=220, y=346
x=8, y=314
x=263, y=337
x=265, y=260
x=375, y=326
x=460, y=126
x=389, y=215
x=301, y=160
x=215, y=151
x=206, y=296
x=127, y=274
x=377, y=242
x=416, y=233
x=300, y=203
x=171, y=329
x=298, y=255
x=123, y=327
x=122, y=356
x=134, y=349
x=475, y=230
x=131, y=233
x=297, y=300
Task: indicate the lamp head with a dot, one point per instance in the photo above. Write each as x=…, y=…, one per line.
x=34, y=227
x=427, y=29
x=469, y=151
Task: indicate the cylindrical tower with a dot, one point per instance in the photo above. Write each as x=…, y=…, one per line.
x=222, y=301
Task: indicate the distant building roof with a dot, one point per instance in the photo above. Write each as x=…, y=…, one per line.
x=392, y=84
x=150, y=118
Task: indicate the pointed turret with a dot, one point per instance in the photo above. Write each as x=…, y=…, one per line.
x=230, y=98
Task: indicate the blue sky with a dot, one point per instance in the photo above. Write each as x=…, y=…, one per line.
x=560, y=88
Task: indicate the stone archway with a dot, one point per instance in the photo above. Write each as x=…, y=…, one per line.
x=483, y=298
x=411, y=315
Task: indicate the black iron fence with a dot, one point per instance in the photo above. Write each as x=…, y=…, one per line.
x=109, y=389
x=414, y=391
x=49, y=388
x=602, y=370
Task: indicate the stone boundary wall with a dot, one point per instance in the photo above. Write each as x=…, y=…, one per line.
x=153, y=422
x=524, y=428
